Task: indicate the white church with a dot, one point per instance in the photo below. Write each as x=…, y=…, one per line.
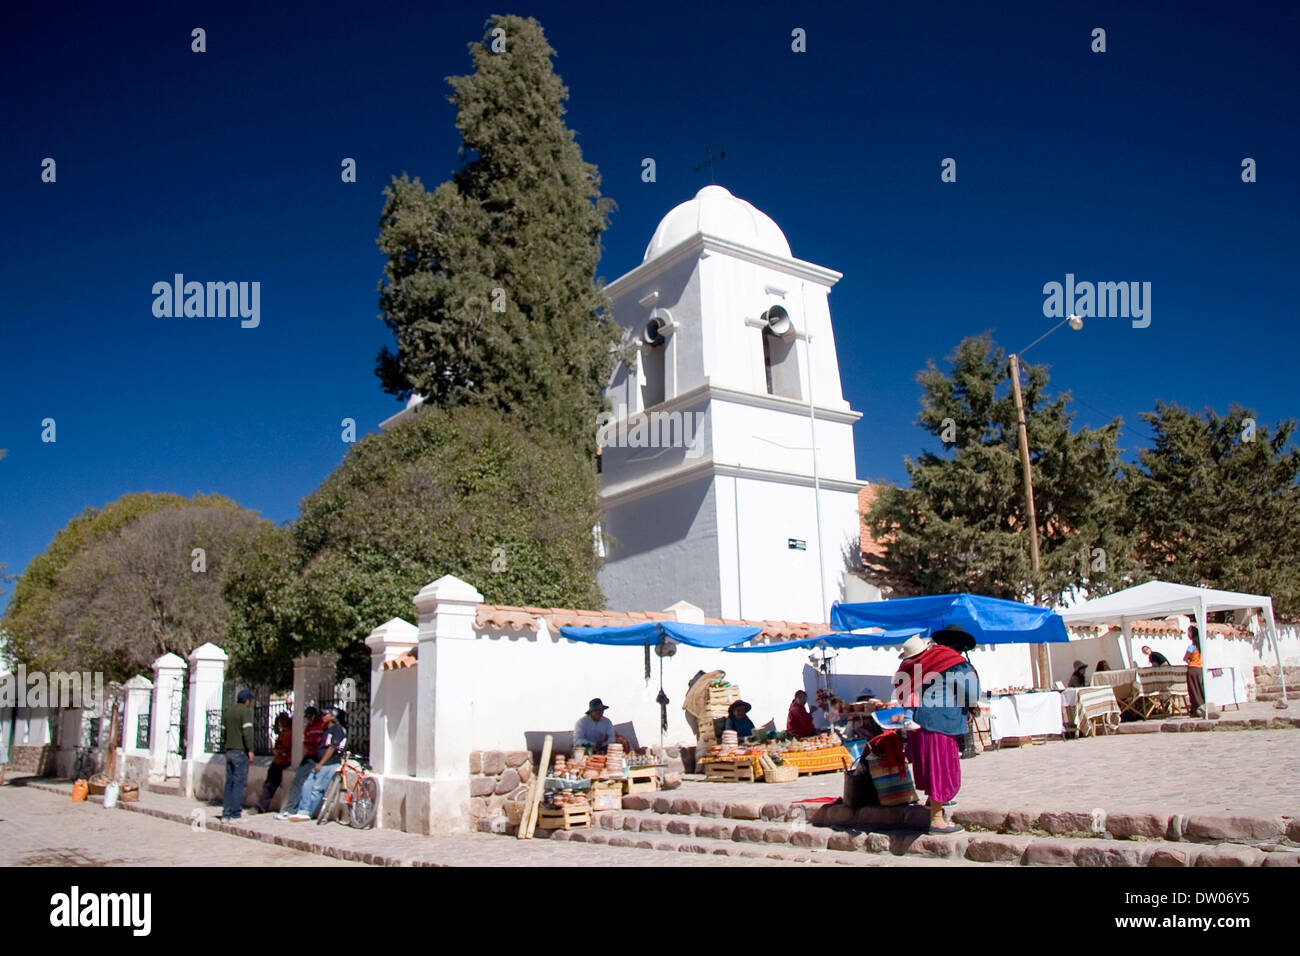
x=747, y=507
x=757, y=516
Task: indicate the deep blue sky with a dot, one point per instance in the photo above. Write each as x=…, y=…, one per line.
x=225, y=166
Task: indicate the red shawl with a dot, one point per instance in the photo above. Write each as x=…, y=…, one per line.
x=915, y=671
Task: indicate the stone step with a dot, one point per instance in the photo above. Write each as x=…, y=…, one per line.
x=765, y=822
x=804, y=843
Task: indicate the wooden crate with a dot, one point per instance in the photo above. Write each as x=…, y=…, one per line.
x=641, y=780
x=819, y=761
x=606, y=795
x=729, y=771
x=564, y=818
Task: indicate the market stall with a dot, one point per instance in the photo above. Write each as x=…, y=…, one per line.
x=663, y=636
x=1159, y=599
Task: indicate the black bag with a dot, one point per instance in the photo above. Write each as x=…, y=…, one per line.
x=859, y=791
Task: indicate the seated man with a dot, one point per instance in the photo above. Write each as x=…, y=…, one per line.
x=798, y=721
x=593, y=728
x=1155, y=657
x=332, y=742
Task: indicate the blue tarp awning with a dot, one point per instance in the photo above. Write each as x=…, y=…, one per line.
x=988, y=620
x=654, y=632
x=880, y=639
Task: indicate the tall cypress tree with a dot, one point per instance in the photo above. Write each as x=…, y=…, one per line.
x=490, y=287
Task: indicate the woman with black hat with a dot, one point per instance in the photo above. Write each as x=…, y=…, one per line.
x=738, y=719
x=941, y=686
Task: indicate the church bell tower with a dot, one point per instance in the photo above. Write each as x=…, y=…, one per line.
x=711, y=490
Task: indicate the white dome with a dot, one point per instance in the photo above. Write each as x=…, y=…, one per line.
x=715, y=212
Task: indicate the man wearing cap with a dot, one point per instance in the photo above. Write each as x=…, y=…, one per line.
x=237, y=724
x=328, y=763
x=311, y=736
x=593, y=728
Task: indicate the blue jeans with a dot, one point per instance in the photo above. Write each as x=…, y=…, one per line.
x=313, y=791
x=232, y=799
x=295, y=789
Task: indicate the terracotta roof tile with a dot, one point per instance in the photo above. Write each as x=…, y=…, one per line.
x=409, y=659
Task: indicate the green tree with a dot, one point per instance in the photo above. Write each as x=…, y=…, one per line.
x=122, y=585
x=1216, y=503
x=461, y=492
x=961, y=524
x=490, y=287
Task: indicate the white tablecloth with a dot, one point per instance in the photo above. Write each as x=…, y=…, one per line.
x=1225, y=685
x=1025, y=715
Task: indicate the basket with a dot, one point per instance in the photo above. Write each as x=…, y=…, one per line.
x=782, y=773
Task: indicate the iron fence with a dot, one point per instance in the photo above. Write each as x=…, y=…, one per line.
x=353, y=702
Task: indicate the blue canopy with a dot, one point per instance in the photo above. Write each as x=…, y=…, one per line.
x=882, y=639
x=654, y=632
x=988, y=620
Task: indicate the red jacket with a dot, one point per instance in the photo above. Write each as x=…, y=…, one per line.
x=282, y=752
x=799, y=722
x=311, y=738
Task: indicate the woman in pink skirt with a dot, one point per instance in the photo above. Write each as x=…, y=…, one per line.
x=941, y=686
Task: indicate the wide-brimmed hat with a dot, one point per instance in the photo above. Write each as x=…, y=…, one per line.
x=954, y=637
x=913, y=646
x=1078, y=664
x=742, y=703
x=596, y=704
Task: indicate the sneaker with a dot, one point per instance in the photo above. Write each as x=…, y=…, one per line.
x=282, y=815
x=299, y=817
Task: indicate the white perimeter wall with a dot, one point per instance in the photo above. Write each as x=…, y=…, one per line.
x=523, y=682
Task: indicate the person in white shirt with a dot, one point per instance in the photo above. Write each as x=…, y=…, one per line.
x=593, y=728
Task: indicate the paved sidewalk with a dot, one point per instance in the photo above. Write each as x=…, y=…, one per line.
x=1255, y=771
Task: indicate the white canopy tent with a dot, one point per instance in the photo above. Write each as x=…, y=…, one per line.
x=1157, y=599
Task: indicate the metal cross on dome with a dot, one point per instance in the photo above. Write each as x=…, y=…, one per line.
x=710, y=161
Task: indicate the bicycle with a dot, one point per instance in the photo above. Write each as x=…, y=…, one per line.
x=359, y=791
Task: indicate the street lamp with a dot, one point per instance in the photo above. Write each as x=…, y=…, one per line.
x=1075, y=322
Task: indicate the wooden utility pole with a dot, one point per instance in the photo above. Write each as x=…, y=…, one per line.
x=1044, y=671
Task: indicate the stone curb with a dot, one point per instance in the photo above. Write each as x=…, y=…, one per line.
x=722, y=837
x=1097, y=824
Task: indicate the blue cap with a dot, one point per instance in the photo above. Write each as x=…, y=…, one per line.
x=243, y=695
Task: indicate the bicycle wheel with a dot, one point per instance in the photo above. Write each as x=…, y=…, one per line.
x=365, y=803
x=331, y=798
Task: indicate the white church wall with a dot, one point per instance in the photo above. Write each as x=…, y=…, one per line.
x=780, y=582
x=755, y=437
x=665, y=548
x=679, y=294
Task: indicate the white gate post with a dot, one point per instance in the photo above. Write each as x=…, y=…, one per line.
x=388, y=642
x=138, y=691
x=309, y=672
x=444, y=699
x=207, y=674
x=165, y=724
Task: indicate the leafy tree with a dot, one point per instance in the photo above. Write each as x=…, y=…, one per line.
x=1216, y=503
x=490, y=284
x=461, y=492
x=961, y=525
x=120, y=586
